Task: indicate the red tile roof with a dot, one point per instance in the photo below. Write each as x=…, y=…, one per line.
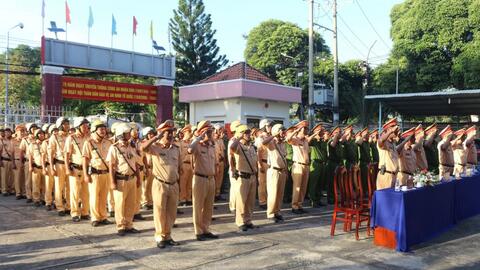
x=241, y=70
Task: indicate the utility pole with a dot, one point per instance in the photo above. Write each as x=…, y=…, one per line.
x=336, y=109
x=396, y=82
x=310, y=65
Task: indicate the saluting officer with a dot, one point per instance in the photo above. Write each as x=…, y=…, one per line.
x=372, y=140
x=459, y=153
x=7, y=162
x=472, y=161
x=388, y=153
x=265, y=126
x=231, y=163
x=407, y=158
x=220, y=152
x=166, y=164
x=47, y=172
x=123, y=164
x=203, y=152
x=445, y=154
x=147, y=200
x=95, y=171
x=186, y=168
x=430, y=147
x=277, y=172
x=56, y=147
x=135, y=142
x=318, y=157
x=74, y=169
x=245, y=172
x=364, y=157
x=419, y=149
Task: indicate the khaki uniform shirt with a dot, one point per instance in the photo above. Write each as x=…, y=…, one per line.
x=460, y=154
x=277, y=153
x=220, y=150
x=74, y=145
x=44, y=150
x=300, y=150
x=243, y=159
x=204, y=159
x=472, y=154
x=56, y=145
x=407, y=160
x=124, y=157
x=185, y=157
x=445, y=157
x=16, y=148
x=35, y=153
x=388, y=156
x=420, y=155
x=97, y=152
x=7, y=148
x=165, y=161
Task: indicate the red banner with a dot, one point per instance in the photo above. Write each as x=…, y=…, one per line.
x=86, y=89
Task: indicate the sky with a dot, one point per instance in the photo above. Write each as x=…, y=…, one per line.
x=232, y=19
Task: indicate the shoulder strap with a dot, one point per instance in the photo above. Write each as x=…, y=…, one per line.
x=280, y=153
x=98, y=153
x=76, y=143
x=123, y=156
x=6, y=150
x=248, y=161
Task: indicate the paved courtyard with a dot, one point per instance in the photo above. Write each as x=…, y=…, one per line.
x=32, y=238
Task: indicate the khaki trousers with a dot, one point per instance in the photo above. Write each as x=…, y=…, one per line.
x=138, y=194
x=219, y=178
x=165, y=198
x=232, y=202
x=300, y=181
x=262, y=188
x=469, y=170
x=445, y=172
x=111, y=200
x=7, y=177
x=147, y=191
x=18, y=179
x=78, y=193
x=245, y=198
x=62, y=188
x=98, y=191
x=125, y=203
x=458, y=171
x=387, y=180
x=186, y=176
x=37, y=185
x=28, y=181
x=203, y=197
x=49, y=188
x=275, y=189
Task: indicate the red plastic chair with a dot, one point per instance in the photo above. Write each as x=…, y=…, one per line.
x=372, y=181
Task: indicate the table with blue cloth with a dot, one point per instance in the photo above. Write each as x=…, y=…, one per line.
x=418, y=215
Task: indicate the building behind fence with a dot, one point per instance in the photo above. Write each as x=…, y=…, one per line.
x=22, y=113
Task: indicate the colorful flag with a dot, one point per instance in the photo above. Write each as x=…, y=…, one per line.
x=67, y=13
x=114, y=26
x=151, y=30
x=90, y=17
x=43, y=9
x=135, y=25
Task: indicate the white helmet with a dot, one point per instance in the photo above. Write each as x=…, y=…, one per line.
x=122, y=129
x=60, y=122
x=264, y=122
x=147, y=130
x=78, y=121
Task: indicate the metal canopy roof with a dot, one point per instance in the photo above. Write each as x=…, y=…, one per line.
x=453, y=102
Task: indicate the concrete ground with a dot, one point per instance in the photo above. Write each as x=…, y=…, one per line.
x=31, y=238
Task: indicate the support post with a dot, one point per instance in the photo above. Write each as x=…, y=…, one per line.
x=51, y=95
x=379, y=117
x=164, y=100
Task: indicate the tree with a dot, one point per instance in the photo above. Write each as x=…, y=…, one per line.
x=193, y=40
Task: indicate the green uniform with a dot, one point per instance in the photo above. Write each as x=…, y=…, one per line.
x=432, y=157
x=334, y=160
x=373, y=152
x=363, y=161
x=349, y=154
x=318, y=162
x=287, y=195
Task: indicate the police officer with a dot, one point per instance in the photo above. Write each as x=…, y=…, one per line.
x=407, y=158
x=277, y=172
x=24, y=146
x=472, y=161
x=431, y=149
x=7, y=162
x=56, y=147
x=34, y=164
x=445, y=154
x=166, y=164
x=364, y=158
x=47, y=172
x=459, y=154
x=231, y=164
x=419, y=149
x=220, y=152
x=74, y=169
x=186, y=170
x=372, y=140
x=135, y=142
x=124, y=164
x=388, y=153
x=318, y=157
x=203, y=152
x=246, y=173
x=95, y=172
x=18, y=171
x=265, y=126
x=349, y=149
x=334, y=150
x=147, y=201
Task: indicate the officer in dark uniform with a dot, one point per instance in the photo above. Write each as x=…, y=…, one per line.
x=318, y=159
x=334, y=150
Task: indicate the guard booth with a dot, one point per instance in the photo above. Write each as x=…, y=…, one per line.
x=57, y=55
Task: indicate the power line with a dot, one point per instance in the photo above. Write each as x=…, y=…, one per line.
x=355, y=35
x=371, y=25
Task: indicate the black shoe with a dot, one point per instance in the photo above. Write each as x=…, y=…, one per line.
x=175, y=225
x=183, y=204
x=29, y=201
x=279, y=217
x=37, y=204
x=76, y=219
x=317, y=204
x=48, y=208
x=18, y=197
x=171, y=242
x=210, y=235
x=189, y=203
x=138, y=217
x=132, y=230
x=121, y=232
x=43, y=202
x=106, y=222
x=263, y=206
x=251, y=226
x=86, y=217
x=147, y=207
x=243, y=228
x=201, y=237
x=61, y=213
x=274, y=220
x=162, y=244
x=219, y=198
x=331, y=202
x=179, y=212
x=24, y=197
x=296, y=211
x=12, y=193
x=95, y=224
x=67, y=212
x=112, y=214
x=303, y=211
x=6, y=194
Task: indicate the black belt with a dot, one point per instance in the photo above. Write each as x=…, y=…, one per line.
x=264, y=160
x=461, y=164
x=58, y=161
x=165, y=182
x=36, y=166
x=301, y=163
x=119, y=176
x=6, y=159
x=187, y=162
x=245, y=175
x=95, y=171
x=277, y=169
x=404, y=172
x=47, y=164
x=390, y=172
x=141, y=168
x=446, y=165
x=471, y=164
x=76, y=166
x=202, y=175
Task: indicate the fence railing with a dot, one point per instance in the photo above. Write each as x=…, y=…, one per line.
x=22, y=113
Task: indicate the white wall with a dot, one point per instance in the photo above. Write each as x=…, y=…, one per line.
x=238, y=109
